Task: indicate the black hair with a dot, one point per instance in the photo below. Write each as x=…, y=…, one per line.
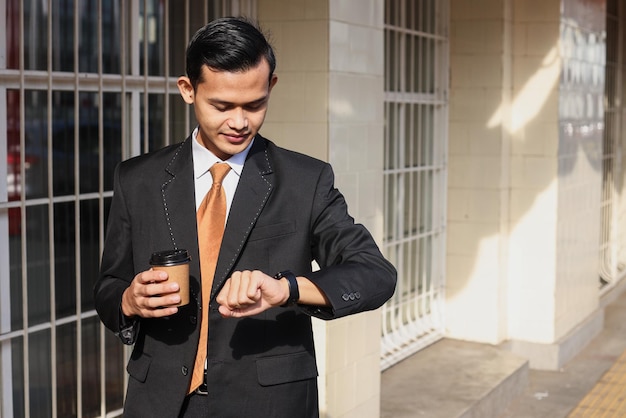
x=227, y=44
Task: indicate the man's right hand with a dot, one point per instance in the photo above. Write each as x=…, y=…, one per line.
x=150, y=295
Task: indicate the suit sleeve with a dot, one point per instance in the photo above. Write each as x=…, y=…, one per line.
x=116, y=270
x=353, y=274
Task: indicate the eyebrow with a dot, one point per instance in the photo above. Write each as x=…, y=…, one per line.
x=227, y=103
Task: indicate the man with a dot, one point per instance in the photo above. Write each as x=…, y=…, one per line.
x=283, y=213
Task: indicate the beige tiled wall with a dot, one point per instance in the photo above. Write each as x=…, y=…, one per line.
x=328, y=104
x=523, y=210
x=298, y=114
x=479, y=161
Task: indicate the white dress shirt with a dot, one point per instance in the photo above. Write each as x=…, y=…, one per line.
x=203, y=160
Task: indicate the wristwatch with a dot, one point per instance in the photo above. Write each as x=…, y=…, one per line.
x=294, y=292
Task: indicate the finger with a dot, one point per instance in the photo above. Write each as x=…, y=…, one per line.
x=153, y=289
x=254, y=291
x=158, y=303
x=159, y=313
x=247, y=289
x=152, y=276
x=250, y=290
x=232, y=297
x=222, y=296
x=224, y=311
x=245, y=311
x=231, y=313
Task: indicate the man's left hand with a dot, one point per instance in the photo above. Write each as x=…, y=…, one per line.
x=248, y=293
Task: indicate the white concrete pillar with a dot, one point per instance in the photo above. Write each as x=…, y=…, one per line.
x=328, y=103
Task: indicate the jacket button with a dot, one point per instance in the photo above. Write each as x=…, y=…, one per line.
x=345, y=297
x=193, y=319
x=184, y=370
x=357, y=295
x=351, y=296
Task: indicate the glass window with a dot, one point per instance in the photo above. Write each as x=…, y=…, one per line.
x=156, y=119
x=16, y=396
x=38, y=265
x=65, y=259
x=34, y=161
x=151, y=37
x=66, y=364
x=91, y=371
x=63, y=143
x=40, y=374
x=89, y=249
x=35, y=39
x=111, y=37
x=88, y=37
x=63, y=36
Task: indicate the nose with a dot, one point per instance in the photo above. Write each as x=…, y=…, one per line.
x=238, y=119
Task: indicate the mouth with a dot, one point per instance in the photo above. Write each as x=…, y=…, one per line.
x=235, y=138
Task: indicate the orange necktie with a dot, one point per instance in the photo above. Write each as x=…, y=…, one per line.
x=211, y=217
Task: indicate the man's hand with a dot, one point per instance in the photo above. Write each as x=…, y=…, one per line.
x=248, y=293
x=150, y=295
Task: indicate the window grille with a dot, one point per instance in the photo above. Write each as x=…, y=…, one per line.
x=612, y=250
x=83, y=85
x=415, y=172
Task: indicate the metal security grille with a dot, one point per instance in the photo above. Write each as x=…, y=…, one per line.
x=612, y=250
x=83, y=85
x=416, y=86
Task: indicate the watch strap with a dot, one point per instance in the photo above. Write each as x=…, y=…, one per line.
x=294, y=291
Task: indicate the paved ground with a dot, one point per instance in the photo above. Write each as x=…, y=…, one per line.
x=557, y=394
x=455, y=379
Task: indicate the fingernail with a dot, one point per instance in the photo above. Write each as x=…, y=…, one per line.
x=174, y=286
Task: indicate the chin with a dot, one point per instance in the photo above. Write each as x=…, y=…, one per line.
x=232, y=149
x=237, y=146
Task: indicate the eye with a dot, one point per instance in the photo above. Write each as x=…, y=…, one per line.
x=253, y=107
x=222, y=108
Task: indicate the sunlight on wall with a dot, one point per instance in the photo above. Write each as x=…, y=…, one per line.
x=341, y=108
x=529, y=101
x=532, y=265
x=465, y=318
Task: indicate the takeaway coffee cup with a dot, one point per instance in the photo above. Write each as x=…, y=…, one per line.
x=176, y=264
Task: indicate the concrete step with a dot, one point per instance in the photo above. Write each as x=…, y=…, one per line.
x=453, y=379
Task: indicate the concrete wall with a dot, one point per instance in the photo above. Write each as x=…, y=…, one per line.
x=479, y=169
x=524, y=183
x=328, y=103
x=534, y=170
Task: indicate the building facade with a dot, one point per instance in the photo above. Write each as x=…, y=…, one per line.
x=535, y=173
x=480, y=141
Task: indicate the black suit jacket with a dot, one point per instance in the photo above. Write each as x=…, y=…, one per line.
x=285, y=214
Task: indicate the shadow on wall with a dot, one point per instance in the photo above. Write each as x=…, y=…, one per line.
x=570, y=72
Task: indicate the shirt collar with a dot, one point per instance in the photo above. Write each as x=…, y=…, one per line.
x=203, y=159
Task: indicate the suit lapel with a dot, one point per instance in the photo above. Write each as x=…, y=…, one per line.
x=253, y=190
x=177, y=189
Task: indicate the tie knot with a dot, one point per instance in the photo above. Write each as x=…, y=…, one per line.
x=219, y=171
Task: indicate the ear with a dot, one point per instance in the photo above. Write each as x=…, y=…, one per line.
x=186, y=89
x=273, y=82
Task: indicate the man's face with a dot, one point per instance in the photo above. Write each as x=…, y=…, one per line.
x=230, y=107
